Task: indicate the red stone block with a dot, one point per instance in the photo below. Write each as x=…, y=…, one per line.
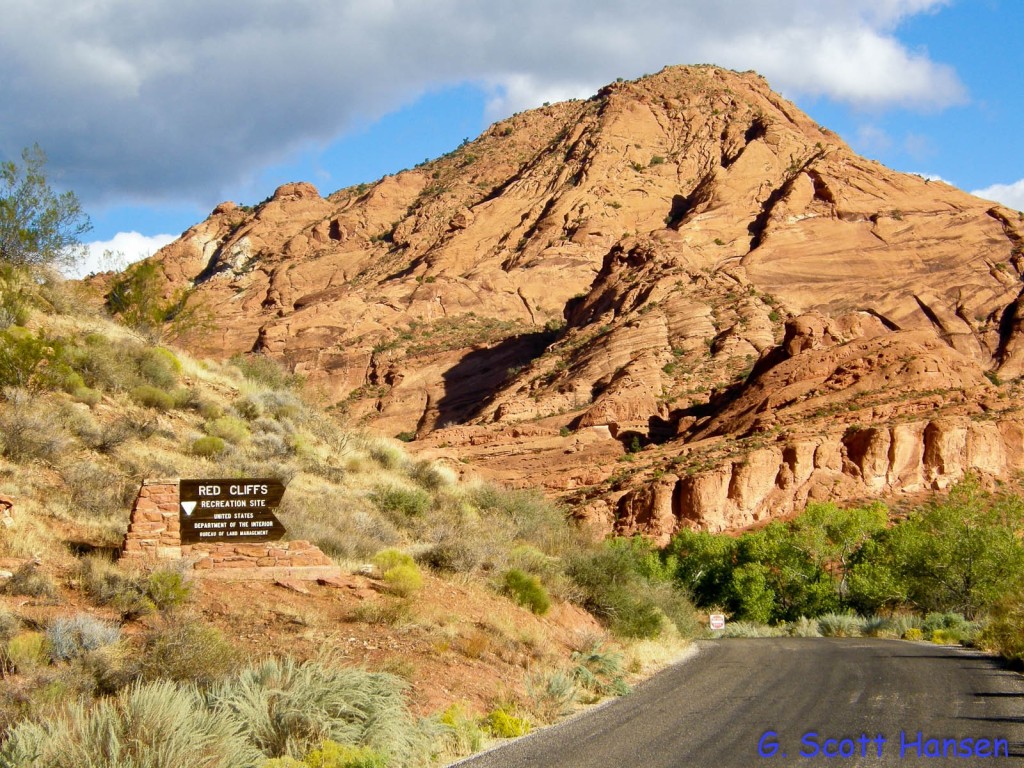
x=266, y=562
x=299, y=546
x=203, y=564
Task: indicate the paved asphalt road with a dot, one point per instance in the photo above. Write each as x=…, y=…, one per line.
x=713, y=710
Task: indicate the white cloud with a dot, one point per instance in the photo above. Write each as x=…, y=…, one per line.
x=1010, y=195
x=122, y=249
x=173, y=99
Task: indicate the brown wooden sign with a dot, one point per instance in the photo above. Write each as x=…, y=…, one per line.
x=229, y=510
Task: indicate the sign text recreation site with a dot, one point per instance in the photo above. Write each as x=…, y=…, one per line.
x=229, y=510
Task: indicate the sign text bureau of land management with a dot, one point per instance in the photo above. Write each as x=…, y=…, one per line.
x=211, y=511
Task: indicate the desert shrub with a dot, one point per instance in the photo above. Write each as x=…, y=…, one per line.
x=532, y=518
x=839, y=625
x=208, y=447
x=913, y=633
x=17, y=295
x=30, y=581
x=248, y=407
x=111, y=435
x=526, y=590
x=751, y=629
x=431, y=475
x=878, y=626
x=804, y=627
x=148, y=724
x=950, y=627
x=71, y=637
x=462, y=733
x=391, y=613
x=96, y=489
x=599, y=671
x=401, y=502
x=227, y=428
x=1004, y=631
x=168, y=589
x=330, y=754
x=503, y=724
x=186, y=650
x=385, y=452
x=87, y=396
x=288, y=707
x=619, y=586
x=107, y=584
x=152, y=397
x=387, y=559
x=182, y=397
x=902, y=622
x=265, y=370
x=335, y=522
x=404, y=580
x=159, y=367
x=9, y=626
x=34, y=362
x=104, y=364
x=552, y=694
x=27, y=652
x=28, y=430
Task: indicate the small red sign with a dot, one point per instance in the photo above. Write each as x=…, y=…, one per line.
x=717, y=621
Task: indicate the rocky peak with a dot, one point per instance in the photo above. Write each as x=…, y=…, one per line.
x=684, y=270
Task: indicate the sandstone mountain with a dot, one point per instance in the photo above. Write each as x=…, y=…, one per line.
x=680, y=302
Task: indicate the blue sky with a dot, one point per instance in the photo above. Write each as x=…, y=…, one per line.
x=154, y=112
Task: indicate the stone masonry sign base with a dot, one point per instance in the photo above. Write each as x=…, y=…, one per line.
x=154, y=537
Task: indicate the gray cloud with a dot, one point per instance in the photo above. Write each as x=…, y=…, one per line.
x=160, y=101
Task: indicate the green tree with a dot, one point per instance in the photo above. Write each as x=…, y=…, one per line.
x=830, y=536
x=38, y=227
x=138, y=296
x=957, y=554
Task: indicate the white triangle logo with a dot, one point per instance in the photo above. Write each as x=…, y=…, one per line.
x=188, y=506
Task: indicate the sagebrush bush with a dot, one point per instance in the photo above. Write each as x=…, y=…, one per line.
x=804, y=627
x=616, y=588
x=1004, y=632
x=157, y=724
x=208, y=447
x=526, y=590
x=462, y=733
x=29, y=430
x=400, y=502
x=599, y=671
x=9, y=625
x=289, y=708
x=751, y=629
x=334, y=521
x=186, y=650
x=840, y=625
x=30, y=581
x=265, y=370
x=72, y=636
x=95, y=488
x=552, y=694
x=159, y=367
x=107, y=584
x=27, y=652
x=228, y=428
x=152, y=397
x=168, y=589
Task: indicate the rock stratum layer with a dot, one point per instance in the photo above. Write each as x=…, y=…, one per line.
x=680, y=302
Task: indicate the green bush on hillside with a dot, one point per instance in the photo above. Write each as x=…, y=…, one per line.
x=526, y=590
